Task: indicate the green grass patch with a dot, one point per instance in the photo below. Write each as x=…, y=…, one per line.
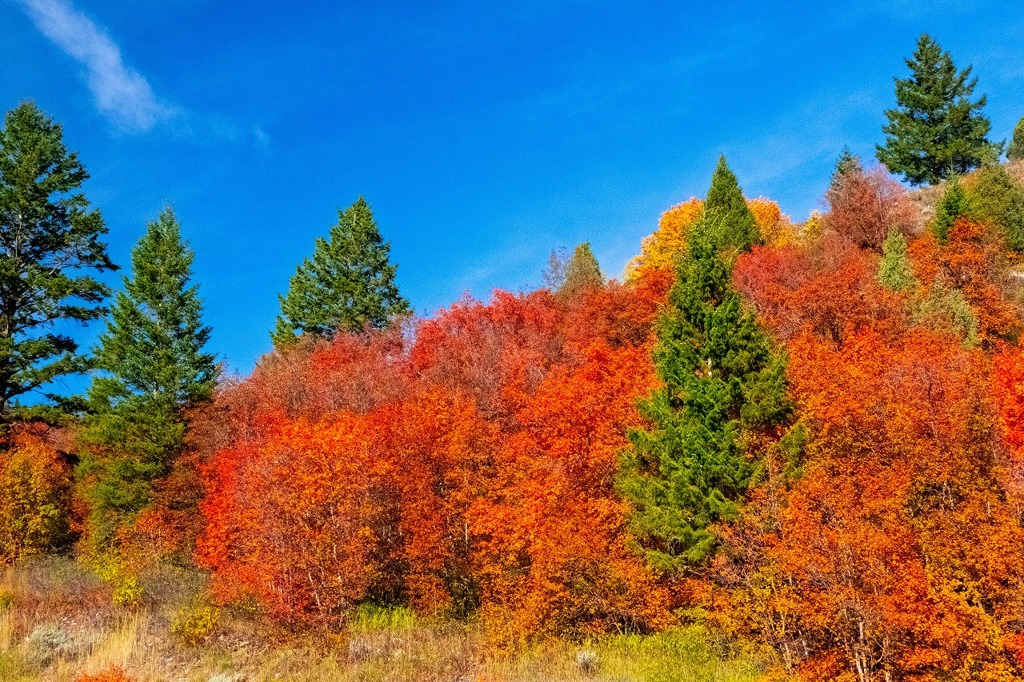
x=689, y=653
x=370, y=617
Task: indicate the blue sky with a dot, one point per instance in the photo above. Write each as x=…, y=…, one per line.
x=483, y=134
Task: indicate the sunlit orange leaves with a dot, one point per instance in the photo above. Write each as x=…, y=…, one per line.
x=894, y=547
x=553, y=554
x=466, y=465
x=660, y=250
x=1008, y=388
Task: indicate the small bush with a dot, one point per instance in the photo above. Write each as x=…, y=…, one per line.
x=586, y=661
x=126, y=588
x=193, y=626
x=114, y=674
x=127, y=592
x=47, y=643
x=6, y=601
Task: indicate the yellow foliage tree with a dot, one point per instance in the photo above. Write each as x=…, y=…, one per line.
x=661, y=249
x=776, y=228
x=35, y=484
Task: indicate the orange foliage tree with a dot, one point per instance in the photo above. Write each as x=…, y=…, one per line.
x=662, y=248
x=889, y=547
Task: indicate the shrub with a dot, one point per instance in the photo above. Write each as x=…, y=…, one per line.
x=193, y=626
x=371, y=617
x=49, y=642
x=586, y=661
x=127, y=592
x=113, y=674
x=126, y=588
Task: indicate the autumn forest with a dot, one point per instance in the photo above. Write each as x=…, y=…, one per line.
x=793, y=450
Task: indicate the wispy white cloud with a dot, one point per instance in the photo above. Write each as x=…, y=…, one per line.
x=122, y=94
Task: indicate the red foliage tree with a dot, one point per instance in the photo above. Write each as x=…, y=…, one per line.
x=826, y=288
x=865, y=205
x=470, y=467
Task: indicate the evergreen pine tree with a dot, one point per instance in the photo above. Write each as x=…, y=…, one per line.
x=50, y=242
x=348, y=284
x=152, y=367
x=581, y=272
x=847, y=163
x=953, y=204
x=731, y=214
x=936, y=130
x=895, y=271
x=722, y=378
x=1016, y=148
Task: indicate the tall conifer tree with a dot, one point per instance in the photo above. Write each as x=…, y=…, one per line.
x=722, y=377
x=726, y=211
x=152, y=367
x=348, y=284
x=50, y=248
x=936, y=129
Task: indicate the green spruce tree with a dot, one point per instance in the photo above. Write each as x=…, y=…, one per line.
x=953, y=204
x=152, y=367
x=895, y=271
x=1016, y=148
x=847, y=163
x=582, y=272
x=51, y=246
x=731, y=215
x=722, y=378
x=347, y=285
x=936, y=129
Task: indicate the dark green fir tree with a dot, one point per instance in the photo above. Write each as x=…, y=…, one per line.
x=152, y=366
x=582, y=272
x=936, y=129
x=847, y=163
x=347, y=285
x=728, y=212
x=51, y=246
x=722, y=379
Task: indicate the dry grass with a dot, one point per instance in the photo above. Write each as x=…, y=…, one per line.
x=61, y=623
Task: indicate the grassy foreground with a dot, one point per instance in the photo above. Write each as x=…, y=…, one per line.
x=58, y=621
